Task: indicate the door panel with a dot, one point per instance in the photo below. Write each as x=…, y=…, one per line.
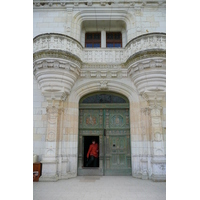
x=118, y=153
x=91, y=119
x=116, y=119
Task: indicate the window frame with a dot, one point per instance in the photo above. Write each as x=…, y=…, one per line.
x=92, y=41
x=113, y=41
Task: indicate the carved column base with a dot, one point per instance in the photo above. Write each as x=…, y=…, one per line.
x=65, y=174
x=49, y=171
x=158, y=169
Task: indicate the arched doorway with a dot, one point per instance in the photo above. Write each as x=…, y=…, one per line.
x=105, y=118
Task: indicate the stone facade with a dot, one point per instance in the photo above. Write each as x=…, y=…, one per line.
x=64, y=71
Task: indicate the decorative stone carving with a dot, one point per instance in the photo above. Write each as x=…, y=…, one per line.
x=52, y=113
x=62, y=3
x=89, y=3
x=104, y=85
x=148, y=74
x=56, y=76
x=48, y=4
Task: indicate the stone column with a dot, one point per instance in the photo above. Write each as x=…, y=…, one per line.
x=50, y=158
x=103, y=39
x=158, y=160
x=124, y=38
x=83, y=38
x=145, y=129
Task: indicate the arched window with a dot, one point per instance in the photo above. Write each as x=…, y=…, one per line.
x=104, y=98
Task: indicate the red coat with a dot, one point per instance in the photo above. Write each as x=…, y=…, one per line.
x=93, y=150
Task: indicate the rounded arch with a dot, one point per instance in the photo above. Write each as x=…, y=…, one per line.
x=126, y=89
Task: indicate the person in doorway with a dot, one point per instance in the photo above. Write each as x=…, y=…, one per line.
x=92, y=154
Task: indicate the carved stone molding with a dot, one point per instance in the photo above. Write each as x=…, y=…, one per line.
x=47, y=4
x=104, y=85
x=57, y=54
x=102, y=73
x=154, y=98
x=56, y=76
x=148, y=74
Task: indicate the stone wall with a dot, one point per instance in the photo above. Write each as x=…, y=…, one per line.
x=39, y=120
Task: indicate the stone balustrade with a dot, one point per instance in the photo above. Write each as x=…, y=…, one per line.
x=53, y=41
x=151, y=41
x=61, y=42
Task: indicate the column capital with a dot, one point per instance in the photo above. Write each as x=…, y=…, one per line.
x=154, y=98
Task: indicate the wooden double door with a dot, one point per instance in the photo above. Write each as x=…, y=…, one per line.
x=109, y=125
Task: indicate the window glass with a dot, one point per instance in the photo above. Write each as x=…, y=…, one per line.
x=97, y=45
x=118, y=36
x=88, y=45
x=93, y=40
x=110, y=36
x=113, y=39
x=117, y=44
x=109, y=44
x=97, y=36
x=89, y=36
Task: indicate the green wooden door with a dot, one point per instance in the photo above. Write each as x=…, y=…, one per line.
x=117, y=142
x=110, y=123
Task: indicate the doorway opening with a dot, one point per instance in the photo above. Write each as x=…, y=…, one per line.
x=87, y=143
x=104, y=117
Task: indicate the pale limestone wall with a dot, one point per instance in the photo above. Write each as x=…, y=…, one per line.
x=147, y=20
x=49, y=21
x=39, y=120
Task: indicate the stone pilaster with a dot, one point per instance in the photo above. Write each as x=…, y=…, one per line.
x=158, y=160
x=103, y=39
x=145, y=130
x=50, y=158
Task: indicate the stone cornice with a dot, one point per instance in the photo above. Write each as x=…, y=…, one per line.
x=147, y=54
x=100, y=73
x=62, y=4
x=59, y=54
